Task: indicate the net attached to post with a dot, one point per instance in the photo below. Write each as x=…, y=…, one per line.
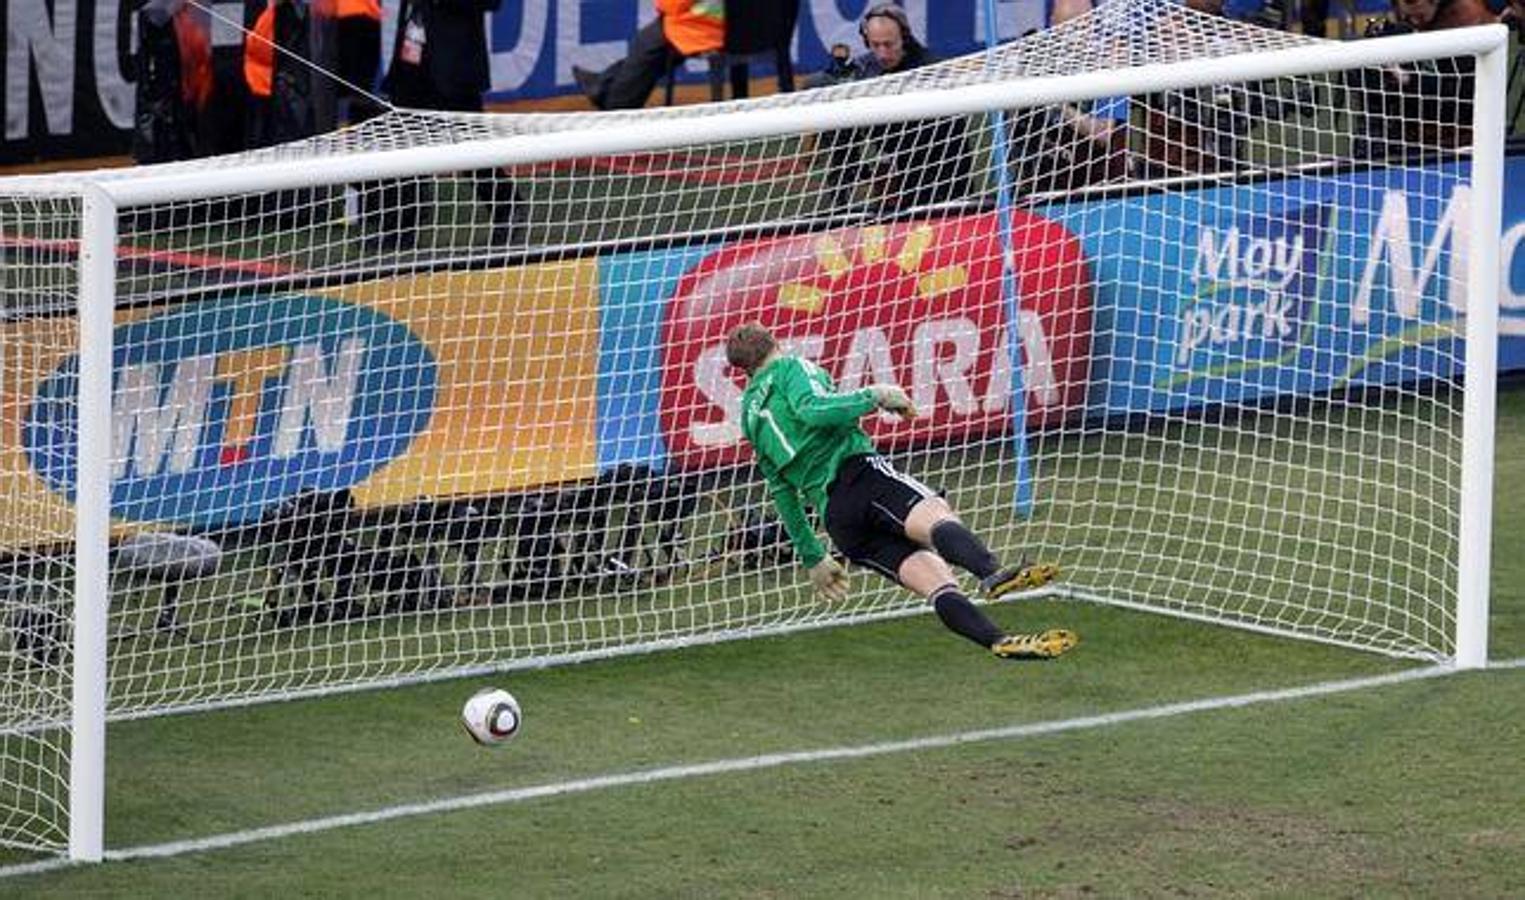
x=379, y=428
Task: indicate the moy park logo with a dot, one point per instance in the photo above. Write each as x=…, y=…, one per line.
x=1253, y=294
x=1271, y=288
x=918, y=304
x=221, y=408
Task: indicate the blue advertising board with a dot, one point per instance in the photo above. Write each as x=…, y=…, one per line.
x=633, y=289
x=221, y=408
x=1220, y=295
x=1301, y=286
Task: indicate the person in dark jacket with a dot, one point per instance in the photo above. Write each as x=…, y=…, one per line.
x=173, y=84
x=439, y=61
x=439, y=57
x=896, y=166
x=280, y=87
x=173, y=90
x=355, y=26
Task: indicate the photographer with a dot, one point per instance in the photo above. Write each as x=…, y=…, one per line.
x=1201, y=131
x=896, y=166
x=1419, y=107
x=1071, y=145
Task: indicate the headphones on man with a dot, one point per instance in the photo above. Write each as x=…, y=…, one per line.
x=894, y=13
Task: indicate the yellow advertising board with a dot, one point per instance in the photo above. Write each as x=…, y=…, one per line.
x=517, y=357
x=418, y=385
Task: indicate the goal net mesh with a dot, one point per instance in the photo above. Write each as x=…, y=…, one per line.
x=404, y=428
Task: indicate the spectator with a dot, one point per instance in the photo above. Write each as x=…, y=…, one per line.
x=1437, y=15
x=897, y=166
x=280, y=90
x=1401, y=110
x=439, y=61
x=172, y=94
x=349, y=34
x=356, y=36
x=174, y=83
x=1073, y=144
x=892, y=44
x=1191, y=131
x=682, y=28
x=841, y=68
x=1201, y=131
x=280, y=105
x=1444, y=92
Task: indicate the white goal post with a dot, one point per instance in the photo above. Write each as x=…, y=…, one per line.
x=261, y=445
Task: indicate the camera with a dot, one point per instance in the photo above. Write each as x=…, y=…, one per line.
x=1386, y=28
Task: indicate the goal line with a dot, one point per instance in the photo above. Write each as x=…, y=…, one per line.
x=684, y=771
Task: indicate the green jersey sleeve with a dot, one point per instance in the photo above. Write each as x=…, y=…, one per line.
x=809, y=392
x=786, y=499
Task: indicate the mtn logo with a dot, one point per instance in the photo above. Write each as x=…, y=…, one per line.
x=222, y=408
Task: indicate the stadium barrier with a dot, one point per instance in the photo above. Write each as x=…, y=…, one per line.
x=381, y=383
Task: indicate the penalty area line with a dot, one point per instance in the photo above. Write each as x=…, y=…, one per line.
x=745, y=764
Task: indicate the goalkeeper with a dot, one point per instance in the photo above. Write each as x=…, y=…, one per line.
x=812, y=452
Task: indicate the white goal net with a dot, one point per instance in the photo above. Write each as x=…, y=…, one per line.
x=445, y=393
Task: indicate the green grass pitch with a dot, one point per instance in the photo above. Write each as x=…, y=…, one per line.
x=1410, y=789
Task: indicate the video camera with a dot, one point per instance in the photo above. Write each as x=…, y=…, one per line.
x=1386, y=28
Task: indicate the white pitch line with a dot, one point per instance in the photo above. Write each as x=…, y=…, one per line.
x=747, y=764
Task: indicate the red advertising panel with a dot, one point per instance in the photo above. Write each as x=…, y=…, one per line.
x=915, y=303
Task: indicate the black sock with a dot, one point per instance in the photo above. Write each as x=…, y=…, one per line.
x=964, y=618
x=960, y=546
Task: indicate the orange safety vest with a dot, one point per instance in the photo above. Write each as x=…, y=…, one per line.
x=259, y=54
x=371, y=9
x=693, y=26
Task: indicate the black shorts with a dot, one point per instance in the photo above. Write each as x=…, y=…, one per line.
x=866, y=508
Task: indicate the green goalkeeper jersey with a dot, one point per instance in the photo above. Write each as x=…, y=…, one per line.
x=801, y=429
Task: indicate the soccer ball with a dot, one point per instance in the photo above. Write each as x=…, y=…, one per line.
x=491, y=716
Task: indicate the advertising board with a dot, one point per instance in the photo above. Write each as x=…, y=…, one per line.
x=470, y=383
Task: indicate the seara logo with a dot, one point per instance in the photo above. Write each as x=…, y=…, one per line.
x=1255, y=293
x=915, y=303
x=224, y=407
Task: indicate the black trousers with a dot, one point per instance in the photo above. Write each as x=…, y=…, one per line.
x=359, y=59
x=393, y=211
x=628, y=83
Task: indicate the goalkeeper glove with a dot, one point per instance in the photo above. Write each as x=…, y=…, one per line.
x=829, y=579
x=890, y=398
